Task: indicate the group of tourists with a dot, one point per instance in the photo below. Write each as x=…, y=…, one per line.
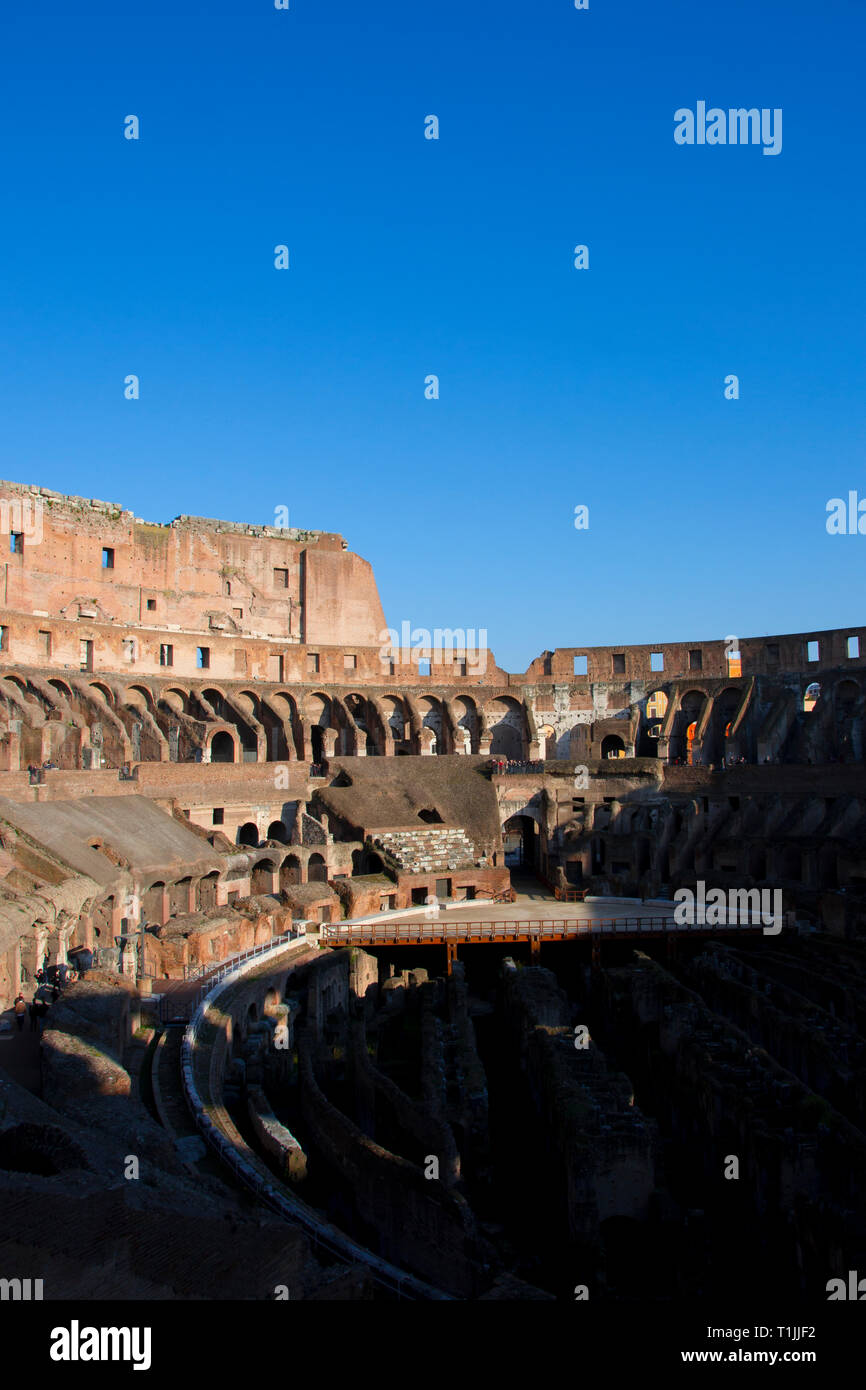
x=503, y=765
x=36, y=772
x=50, y=981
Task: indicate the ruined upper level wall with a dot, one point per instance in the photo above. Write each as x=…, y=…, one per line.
x=790, y=652
x=305, y=594
x=77, y=558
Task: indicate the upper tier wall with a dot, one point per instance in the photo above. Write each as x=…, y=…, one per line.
x=90, y=563
x=260, y=603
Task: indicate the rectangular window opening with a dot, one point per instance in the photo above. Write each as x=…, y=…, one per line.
x=219, y=815
x=107, y=558
x=696, y=661
x=166, y=654
x=151, y=605
x=281, y=579
x=853, y=647
x=619, y=663
x=202, y=658
x=813, y=651
x=657, y=661
x=580, y=665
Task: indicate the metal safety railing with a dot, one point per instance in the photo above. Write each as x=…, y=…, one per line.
x=456, y=931
x=319, y=1232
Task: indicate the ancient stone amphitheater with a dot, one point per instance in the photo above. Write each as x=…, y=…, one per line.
x=348, y=1021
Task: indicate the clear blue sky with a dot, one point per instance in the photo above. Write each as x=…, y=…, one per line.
x=305, y=388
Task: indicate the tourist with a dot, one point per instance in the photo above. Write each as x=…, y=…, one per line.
x=20, y=1011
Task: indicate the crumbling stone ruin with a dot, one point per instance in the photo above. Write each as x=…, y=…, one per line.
x=211, y=745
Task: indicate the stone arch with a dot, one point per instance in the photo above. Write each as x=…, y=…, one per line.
x=262, y=877
x=278, y=831
x=103, y=690
x=216, y=698
x=466, y=718
x=142, y=691
x=506, y=724
x=248, y=834
x=433, y=717
x=290, y=872
x=62, y=689
x=175, y=699
x=397, y=718
x=686, y=724
x=206, y=892
x=152, y=901
x=612, y=746
x=547, y=741
x=179, y=897
x=521, y=839
x=317, y=869
x=811, y=696
x=656, y=705
x=846, y=694
x=223, y=748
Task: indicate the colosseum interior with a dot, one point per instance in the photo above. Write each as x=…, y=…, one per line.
x=231, y=811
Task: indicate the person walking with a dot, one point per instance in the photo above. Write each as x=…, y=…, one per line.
x=20, y=1011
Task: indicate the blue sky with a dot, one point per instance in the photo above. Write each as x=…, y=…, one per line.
x=305, y=388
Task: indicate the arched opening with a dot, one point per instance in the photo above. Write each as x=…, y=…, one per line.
x=222, y=747
x=371, y=862
x=431, y=816
x=432, y=718
x=847, y=695
x=62, y=689
x=206, y=893
x=152, y=903
x=248, y=834
x=277, y=831
x=520, y=841
x=178, y=897
x=505, y=723
x=466, y=716
x=317, y=743
x=612, y=747
x=656, y=705
x=547, y=742
x=397, y=722
x=690, y=739
x=811, y=697
x=290, y=872
x=684, y=747
x=317, y=869
x=262, y=878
